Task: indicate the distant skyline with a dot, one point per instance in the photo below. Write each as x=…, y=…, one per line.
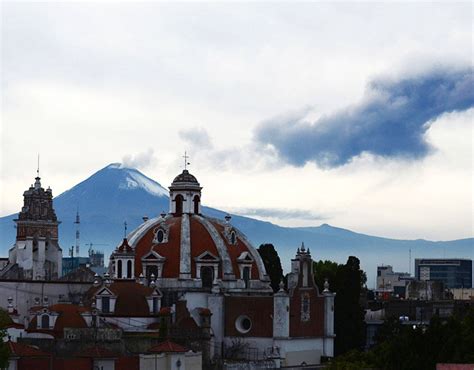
x=356, y=115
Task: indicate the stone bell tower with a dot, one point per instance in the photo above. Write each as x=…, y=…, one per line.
x=36, y=253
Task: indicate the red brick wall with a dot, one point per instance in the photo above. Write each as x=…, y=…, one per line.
x=258, y=309
x=315, y=326
x=29, y=363
x=72, y=363
x=127, y=363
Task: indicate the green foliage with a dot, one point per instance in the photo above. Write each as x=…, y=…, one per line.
x=4, y=354
x=405, y=347
x=352, y=360
x=163, y=333
x=272, y=263
x=347, y=282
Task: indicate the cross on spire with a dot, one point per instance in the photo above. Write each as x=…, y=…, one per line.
x=186, y=163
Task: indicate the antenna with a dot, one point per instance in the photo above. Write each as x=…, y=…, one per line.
x=186, y=163
x=409, y=261
x=77, y=223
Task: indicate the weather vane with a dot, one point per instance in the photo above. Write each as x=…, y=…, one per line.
x=186, y=163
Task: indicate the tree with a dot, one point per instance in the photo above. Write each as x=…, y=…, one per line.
x=347, y=282
x=272, y=263
x=325, y=270
x=4, y=353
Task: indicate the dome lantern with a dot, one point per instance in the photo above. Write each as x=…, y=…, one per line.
x=185, y=194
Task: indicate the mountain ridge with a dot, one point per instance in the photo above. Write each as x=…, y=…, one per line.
x=116, y=194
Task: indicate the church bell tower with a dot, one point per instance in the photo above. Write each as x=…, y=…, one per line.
x=36, y=252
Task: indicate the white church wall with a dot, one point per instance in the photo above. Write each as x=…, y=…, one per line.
x=301, y=349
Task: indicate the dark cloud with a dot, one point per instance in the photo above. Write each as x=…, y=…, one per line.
x=390, y=122
x=280, y=213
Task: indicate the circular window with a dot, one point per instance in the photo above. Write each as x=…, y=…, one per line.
x=160, y=235
x=243, y=324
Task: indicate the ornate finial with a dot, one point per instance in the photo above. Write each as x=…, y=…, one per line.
x=38, y=168
x=227, y=218
x=298, y=251
x=302, y=247
x=282, y=286
x=125, y=229
x=163, y=214
x=326, y=285
x=186, y=163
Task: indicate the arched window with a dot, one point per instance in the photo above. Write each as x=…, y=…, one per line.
x=119, y=269
x=45, y=322
x=207, y=276
x=179, y=204
x=305, y=307
x=129, y=269
x=233, y=238
x=196, y=201
x=246, y=276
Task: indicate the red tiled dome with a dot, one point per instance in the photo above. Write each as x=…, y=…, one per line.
x=206, y=235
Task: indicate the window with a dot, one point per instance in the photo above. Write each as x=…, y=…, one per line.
x=196, y=201
x=243, y=324
x=105, y=304
x=179, y=204
x=151, y=270
x=45, y=322
x=207, y=276
x=305, y=307
x=160, y=235
x=246, y=276
x=129, y=269
x=233, y=238
x=119, y=269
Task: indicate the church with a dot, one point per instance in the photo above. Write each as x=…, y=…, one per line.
x=181, y=276
x=209, y=264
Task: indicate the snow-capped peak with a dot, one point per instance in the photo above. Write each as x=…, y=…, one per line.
x=134, y=179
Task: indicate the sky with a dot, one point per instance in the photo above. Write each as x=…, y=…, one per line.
x=359, y=115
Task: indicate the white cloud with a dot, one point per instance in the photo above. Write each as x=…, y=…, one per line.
x=85, y=84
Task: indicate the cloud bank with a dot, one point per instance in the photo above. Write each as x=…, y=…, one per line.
x=281, y=213
x=390, y=122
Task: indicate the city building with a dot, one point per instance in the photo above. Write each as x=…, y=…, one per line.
x=391, y=283
x=453, y=272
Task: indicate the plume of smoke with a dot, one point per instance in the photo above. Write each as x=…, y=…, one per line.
x=140, y=160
